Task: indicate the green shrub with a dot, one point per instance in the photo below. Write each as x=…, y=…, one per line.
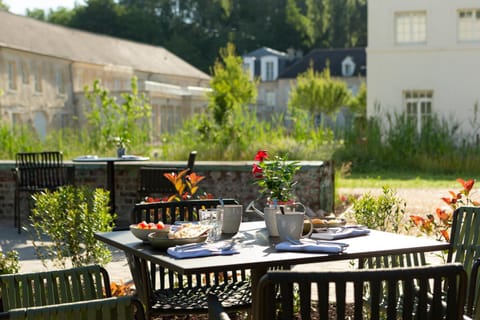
x=9, y=262
x=384, y=212
x=68, y=218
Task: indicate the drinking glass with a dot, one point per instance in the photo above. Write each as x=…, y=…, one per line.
x=213, y=217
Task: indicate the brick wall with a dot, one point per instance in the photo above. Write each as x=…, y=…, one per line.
x=315, y=186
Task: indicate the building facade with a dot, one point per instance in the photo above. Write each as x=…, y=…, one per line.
x=423, y=60
x=44, y=69
x=277, y=72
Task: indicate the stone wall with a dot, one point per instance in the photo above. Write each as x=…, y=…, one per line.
x=315, y=186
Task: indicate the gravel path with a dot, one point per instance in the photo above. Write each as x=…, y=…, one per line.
x=419, y=201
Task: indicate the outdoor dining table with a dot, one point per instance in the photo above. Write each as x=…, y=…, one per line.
x=257, y=252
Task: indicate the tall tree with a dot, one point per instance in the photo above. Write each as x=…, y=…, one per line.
x=319, y=93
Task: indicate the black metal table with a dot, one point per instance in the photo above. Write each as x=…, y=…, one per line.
x=257, y=252
x=110, y=161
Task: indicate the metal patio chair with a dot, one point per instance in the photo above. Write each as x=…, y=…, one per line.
x=38, y=171
x=179, y=294
x=22, y=290
x=295, y=295
x=113, y=308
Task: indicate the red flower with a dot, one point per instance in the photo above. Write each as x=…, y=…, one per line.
x=443, y=215
x=257, y=171
x=261, y=155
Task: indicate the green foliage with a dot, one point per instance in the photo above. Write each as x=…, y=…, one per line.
x=109, y=121
x=275, y=177
x=317, y=92
x=384, y=212
x=9, y=262
x=69, y=217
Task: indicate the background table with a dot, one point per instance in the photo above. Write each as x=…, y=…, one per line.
x=110, y=171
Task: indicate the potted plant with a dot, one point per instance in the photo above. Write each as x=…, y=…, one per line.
x=276, y=182
x=121, y=143
x=275, y=178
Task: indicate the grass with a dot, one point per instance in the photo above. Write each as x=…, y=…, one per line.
x=398, y=180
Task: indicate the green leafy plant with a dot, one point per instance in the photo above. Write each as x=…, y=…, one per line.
x=68, y=218
x=384, y=212
x=439, y=225
x=275, y=178
x=9, y=262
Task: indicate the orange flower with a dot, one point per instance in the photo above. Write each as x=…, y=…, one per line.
x=467, y=185
x=445, y=234
x=443, y=215
x=417, y=220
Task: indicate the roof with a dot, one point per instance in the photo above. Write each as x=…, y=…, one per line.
x=265, y=51
x=28, y=34
x=334, y=57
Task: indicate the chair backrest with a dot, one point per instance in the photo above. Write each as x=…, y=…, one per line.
x=465, y=238
x=169, y=212
x=114, y=308
x=448, y=282
x=38, y=170
x=153, y=181
x=23, y=290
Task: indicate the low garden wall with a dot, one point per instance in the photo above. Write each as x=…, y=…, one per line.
x=315, y=186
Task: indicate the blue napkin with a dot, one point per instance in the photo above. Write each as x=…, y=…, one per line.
x=202, y=250
x=308, y=246
x=338, y=233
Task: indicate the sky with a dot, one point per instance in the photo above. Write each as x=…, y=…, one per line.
x=20, y=6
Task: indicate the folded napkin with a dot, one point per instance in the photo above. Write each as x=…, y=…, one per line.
x=338, y=233
x=309, y=246
x=201, y=250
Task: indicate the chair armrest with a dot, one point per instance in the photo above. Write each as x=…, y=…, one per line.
x=472, y=288
x=215, y=309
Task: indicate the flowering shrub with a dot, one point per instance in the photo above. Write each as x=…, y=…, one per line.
x=440, y=227
x=275, y=178
x=186, y=185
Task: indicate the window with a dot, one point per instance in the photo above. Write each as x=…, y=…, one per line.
x=270, y=98
x=269, y=68
x=410, y=27
x=269, y=71
x=468, y=25
x=37, y=79
x=348, y=67
x=418, y=105
x=24, y=73
x=60, y=81
x=12, y=75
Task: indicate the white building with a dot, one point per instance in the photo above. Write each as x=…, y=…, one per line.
x=423, y=58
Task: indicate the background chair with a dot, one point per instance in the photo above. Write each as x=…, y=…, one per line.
x=417, y=303
x=178, y=294
x=153, y=181
x=38, y=171
x=112, y=308
x=22, y=290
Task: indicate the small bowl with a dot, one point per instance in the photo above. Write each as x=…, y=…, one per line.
x=142, y=234
x=164, y=243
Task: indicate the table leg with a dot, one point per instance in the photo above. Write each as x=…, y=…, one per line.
x=111, y=184
x=257, y=274
x=139, y=270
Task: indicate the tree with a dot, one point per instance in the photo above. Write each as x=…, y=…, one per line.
x=110, y=121
x=4, y=6
x=319, y=93
x=232, y=88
